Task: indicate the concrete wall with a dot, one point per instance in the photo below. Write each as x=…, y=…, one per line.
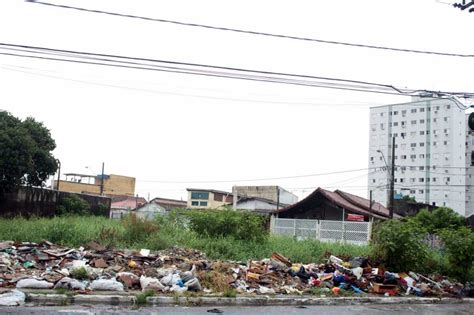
x=255, y=205
x=43, y=202
x=113, y=185
x=268, y=192
x=79, y=188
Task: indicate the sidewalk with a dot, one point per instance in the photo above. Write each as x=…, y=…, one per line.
x=129, y=299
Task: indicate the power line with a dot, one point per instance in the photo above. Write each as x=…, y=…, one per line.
x=252, y=180
x=183, y=94
x=203, y=70
x=220, y=28
x=126, y=60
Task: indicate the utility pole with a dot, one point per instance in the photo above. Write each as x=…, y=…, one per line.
x=102, y=181
x=59, y=174
x=392, y=180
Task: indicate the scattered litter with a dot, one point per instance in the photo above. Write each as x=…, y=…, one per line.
x=12, y=298
x=95, y=267
x=106, y=285
x=34, y=284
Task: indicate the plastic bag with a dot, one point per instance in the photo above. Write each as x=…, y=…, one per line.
x=68, y=283
x=34, y=284
x=150, y=283
x=12, y=298
x=106, y=285
x=193, y=284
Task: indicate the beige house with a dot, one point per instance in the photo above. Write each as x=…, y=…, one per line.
x=208, y=198
x=81, y=183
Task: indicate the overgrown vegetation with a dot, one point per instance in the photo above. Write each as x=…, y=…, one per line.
x=164, y=233
x=228, y=223
x=140, y=299
x=401, y=244
x=73, y=205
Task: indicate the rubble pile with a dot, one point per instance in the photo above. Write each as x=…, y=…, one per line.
x=95, y=267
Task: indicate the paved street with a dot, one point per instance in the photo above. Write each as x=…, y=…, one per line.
x=274, y=310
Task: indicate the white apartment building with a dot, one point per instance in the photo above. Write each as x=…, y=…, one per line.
x=433, y=145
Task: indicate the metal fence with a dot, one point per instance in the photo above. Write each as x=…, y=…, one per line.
x=324, y=230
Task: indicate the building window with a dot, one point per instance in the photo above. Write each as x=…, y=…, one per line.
x=374, y=127
x=412, y=168
x=395, y=135
x=403, y=134
x=433, y=179
x=413, y=134
x=412, y=180
x=421, y=180
x=422, y=144
x=422, y=121
x=421, y=156
x=413, y=145
x=412, y=191
x=446, y=119
x=395, y=124
x=420, y=191
x=404, y=123
x=413, y=122
x=422, y=133
x=413, y=156
x=395, y=113
x=446, y=131
x=446, y=142
x=203, y=203
x=422, y=110
x=381, y=114
x=195, y=203
x=402, y=180
x=413, y=110
x=422, y=168
x=200, y=195
x=435, y=143
x=403, y=157
x=382, y=127
x=435, y=120
x=437, y=108
x=404, y=112
x=448, y=106
x=373, y=181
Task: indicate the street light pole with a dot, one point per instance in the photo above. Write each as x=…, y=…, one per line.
x=391, y=176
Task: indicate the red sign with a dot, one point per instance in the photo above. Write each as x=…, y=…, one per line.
x=355, y=217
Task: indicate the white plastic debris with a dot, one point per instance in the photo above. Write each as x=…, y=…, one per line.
x=176, y=288
x=358, y=271
x=33, y=284
x=335, y=260
x=171, y=279
x=150, y=283
x=106, y=285
x=68, y=283
x=193, y=284
x=144, y=252
x=76, y=264
x=265, y=290
x=12, y=298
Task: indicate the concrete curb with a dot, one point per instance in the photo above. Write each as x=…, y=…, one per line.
x=63, y=299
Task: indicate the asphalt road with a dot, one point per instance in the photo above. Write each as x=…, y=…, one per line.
x=467, y=308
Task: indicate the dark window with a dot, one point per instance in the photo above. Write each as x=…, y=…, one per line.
x=229, y=199
x=200, y=195
x=218, y=197
x=203, y=203
x=194, y=203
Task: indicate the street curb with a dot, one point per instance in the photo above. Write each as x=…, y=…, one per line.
x=63, y=299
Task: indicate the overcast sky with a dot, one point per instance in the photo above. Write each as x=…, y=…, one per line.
x=162, y=127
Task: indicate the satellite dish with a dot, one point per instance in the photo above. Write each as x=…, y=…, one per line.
x=470, y=121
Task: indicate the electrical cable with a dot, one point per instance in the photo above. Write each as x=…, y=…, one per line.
x=252, y=180
x=219, y=28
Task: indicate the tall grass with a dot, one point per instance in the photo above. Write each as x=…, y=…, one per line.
x=131, y=233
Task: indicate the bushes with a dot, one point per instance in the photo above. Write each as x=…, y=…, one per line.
x=400, y=245
x=440, y=218
x=228, y=223
x=73, y=205
x=459, y=246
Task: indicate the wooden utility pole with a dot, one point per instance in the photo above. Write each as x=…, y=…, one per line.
x=392, y=180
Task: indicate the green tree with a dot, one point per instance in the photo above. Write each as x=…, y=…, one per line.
x=25, y=152
x=440, y=218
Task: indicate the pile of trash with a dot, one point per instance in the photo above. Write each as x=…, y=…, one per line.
x=26, y=265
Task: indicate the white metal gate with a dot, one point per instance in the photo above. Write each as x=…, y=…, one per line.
x=324, y=230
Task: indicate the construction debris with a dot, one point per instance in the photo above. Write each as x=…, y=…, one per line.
x=177, y=270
